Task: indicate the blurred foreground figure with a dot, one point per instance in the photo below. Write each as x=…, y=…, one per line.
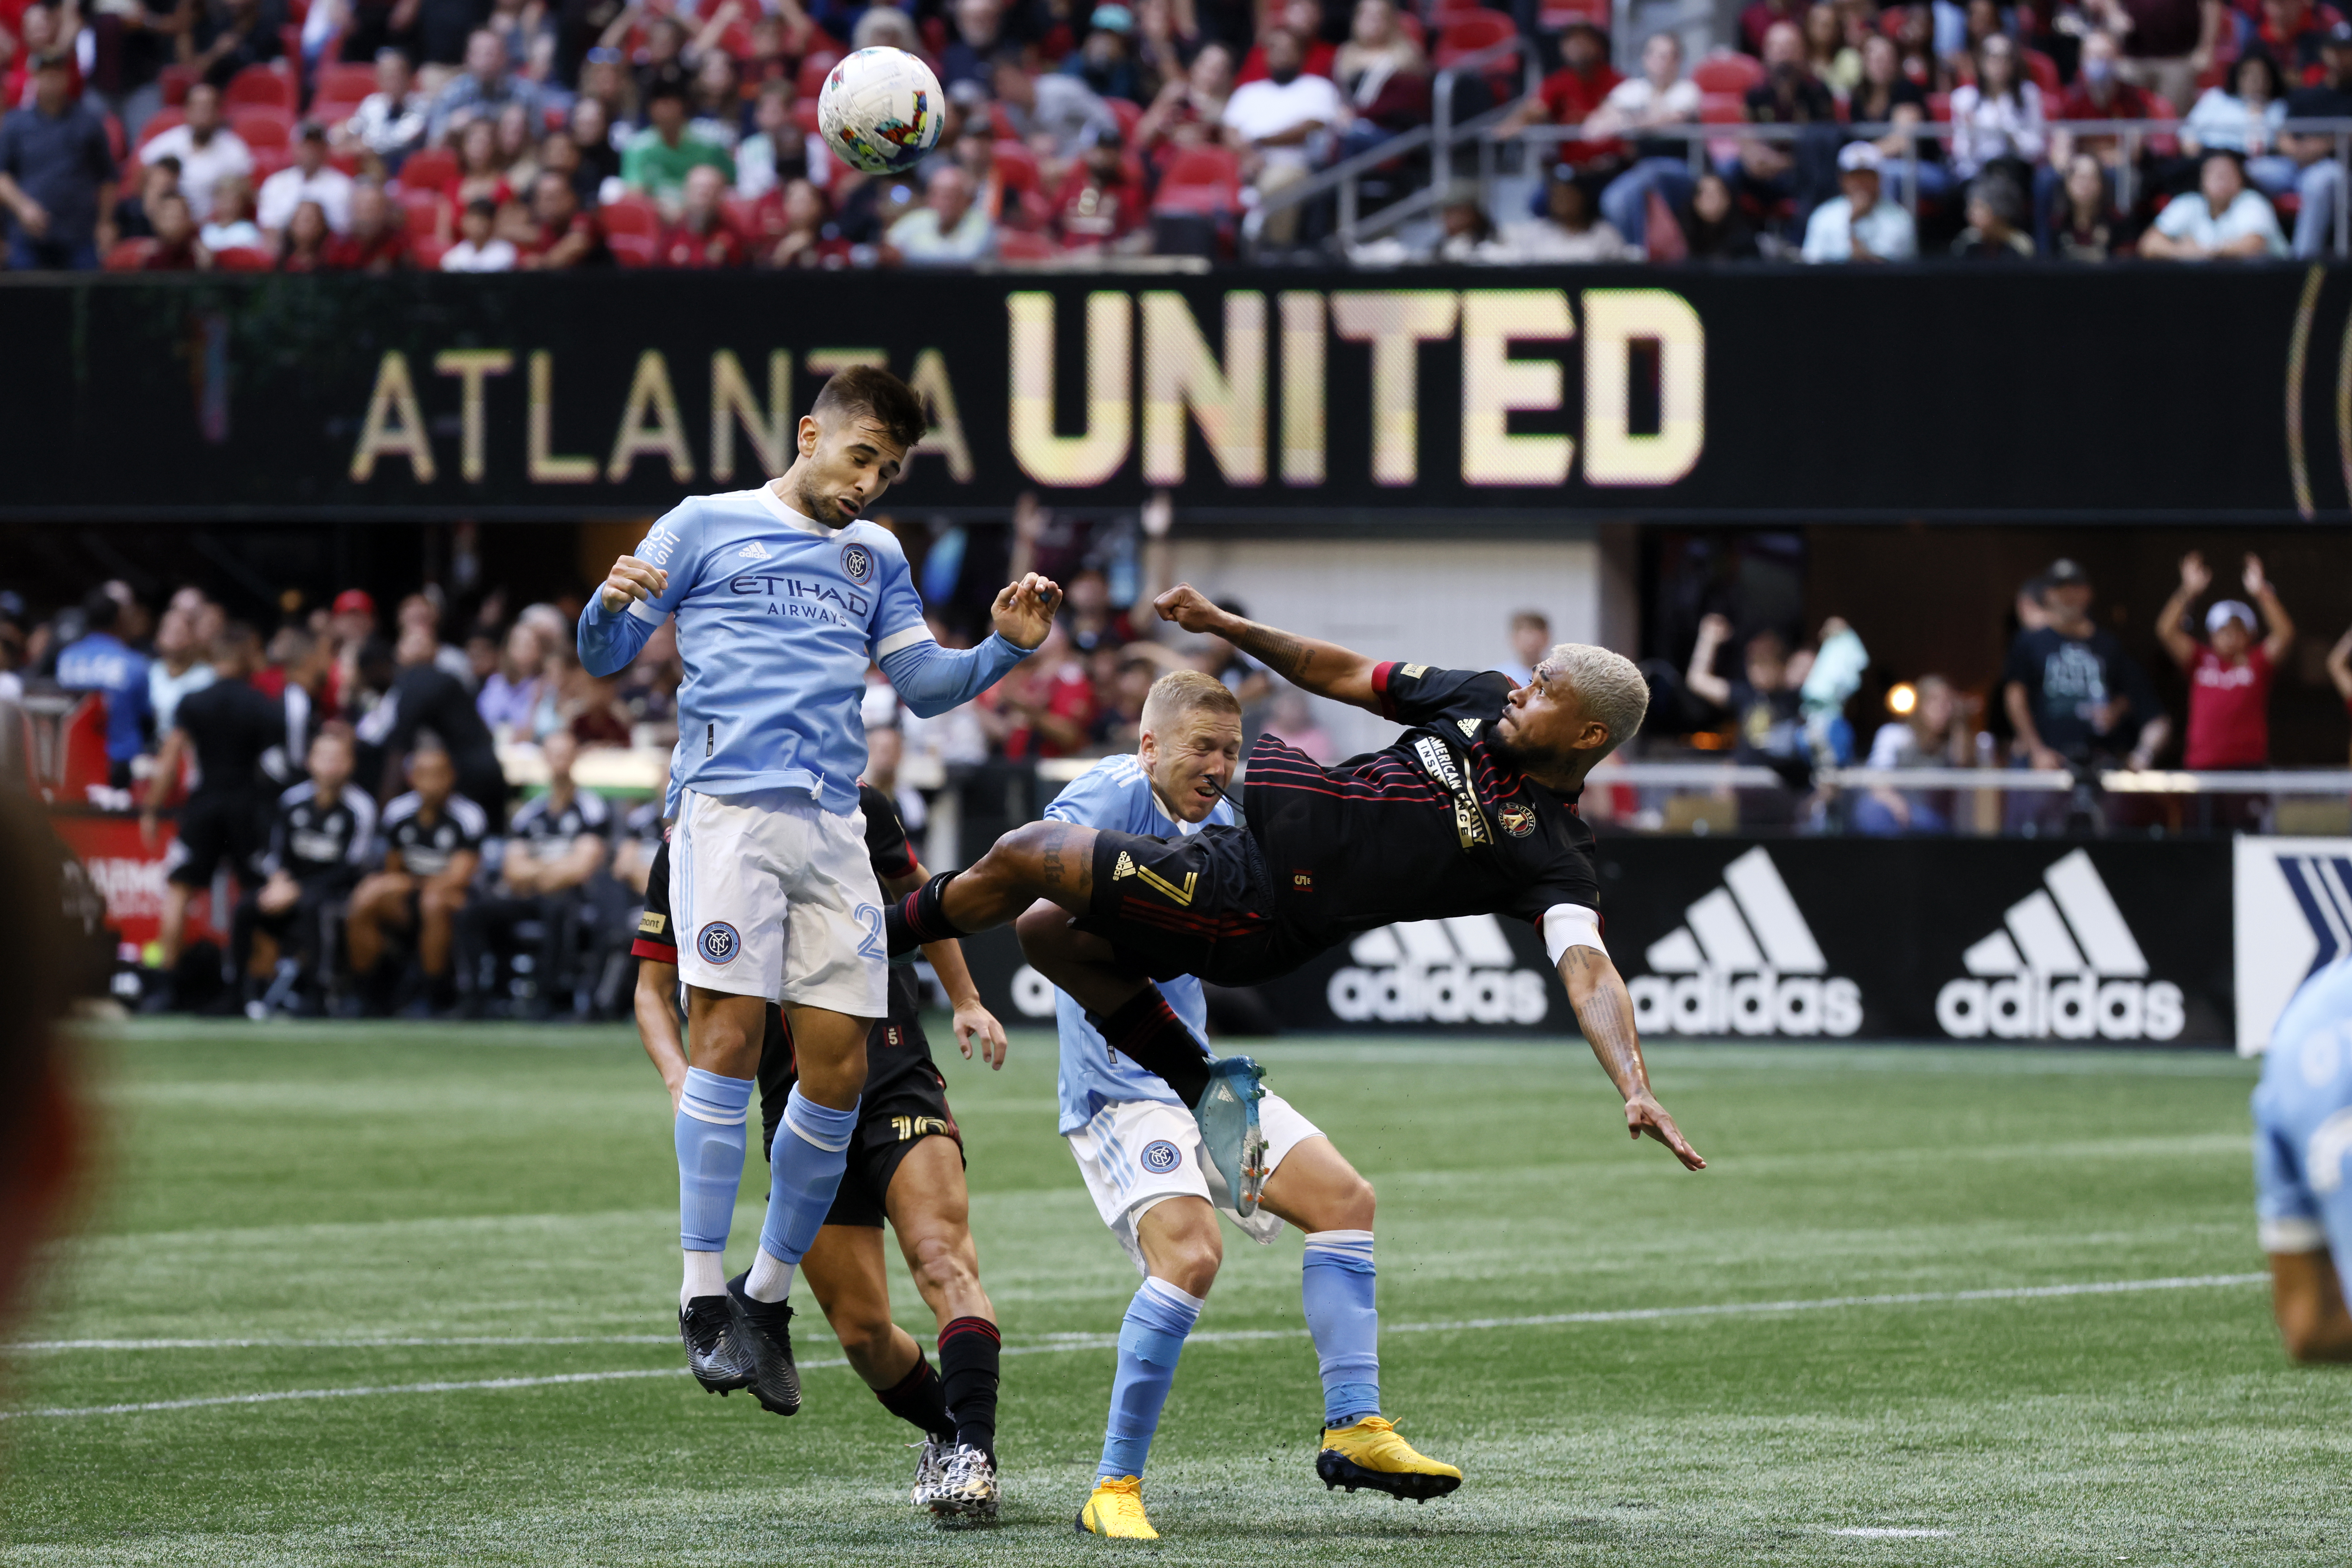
x=41, y=1132
x=2303, y=1137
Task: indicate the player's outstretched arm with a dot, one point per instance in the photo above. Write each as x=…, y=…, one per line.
x=610, y=637
x=931, y=680
x=1324, y=668
x=1606, y=1013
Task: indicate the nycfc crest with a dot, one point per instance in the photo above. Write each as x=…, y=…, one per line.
x=718, y=942
x=1160, y=1157
x=857, y=563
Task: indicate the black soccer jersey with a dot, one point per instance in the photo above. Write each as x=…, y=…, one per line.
x=313, y=839
x=545, y=831
x=1439, y=823
x=427, y=847
x=232, y=726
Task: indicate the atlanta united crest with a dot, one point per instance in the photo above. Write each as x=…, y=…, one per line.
x=1518, y=821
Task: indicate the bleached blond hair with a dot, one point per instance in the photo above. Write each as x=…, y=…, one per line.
x=1608, y=684
x=1179, y=692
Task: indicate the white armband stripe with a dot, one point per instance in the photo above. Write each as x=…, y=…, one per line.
x=917, y=633
x=1572, y=925
x=647, y=610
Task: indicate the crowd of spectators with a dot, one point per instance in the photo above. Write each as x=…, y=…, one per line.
x=493, y=136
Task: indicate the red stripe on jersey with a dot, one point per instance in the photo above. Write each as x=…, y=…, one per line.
x=1380, y=677
x=659, y=952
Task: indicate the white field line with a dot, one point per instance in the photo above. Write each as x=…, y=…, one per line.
x=1066, y=1342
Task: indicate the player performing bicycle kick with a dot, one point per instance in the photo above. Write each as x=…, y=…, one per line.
x=906, y=1164
x=1471, y=811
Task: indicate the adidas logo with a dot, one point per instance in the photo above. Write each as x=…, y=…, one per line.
x=2321, y=886
x=1124, y=868
x=1456, y=971
x=1744, y=963
x=755, y=551
x=2061, y=964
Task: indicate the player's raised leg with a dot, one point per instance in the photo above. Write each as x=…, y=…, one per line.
x=1181, y=1252
x=1316, y=1189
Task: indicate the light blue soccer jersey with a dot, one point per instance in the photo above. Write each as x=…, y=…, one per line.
x=778, y=617
x=1115, y=793
x=2303, y=1123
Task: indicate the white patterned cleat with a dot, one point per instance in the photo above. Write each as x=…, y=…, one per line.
x=930, y=1469
x=968, y=1492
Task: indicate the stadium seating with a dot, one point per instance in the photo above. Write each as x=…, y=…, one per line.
x=632, y=216
x=1467, y=33
x=633, y=250
x=1013, y=245
x=429, y=168
x=1205, y=180
x=1017, y=165
x=243, y=258
x=163, y=119
x=260, y=126
x=422, y=209
x=129, y=254
x=1728, y=73
x=265, y=86
x=1130, y=116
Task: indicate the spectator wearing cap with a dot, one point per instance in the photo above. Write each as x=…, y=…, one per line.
x=487, y=85
x=310, y=178
x=949, y=229
x=479, y=248
x=1098, y=207
x=391, y=121
x=2229, y=673
x=2073, y=694
x=57, y=178
x=1996, y=218
x=1277, y=126
x=377, y=241
x=660, y=156
x=2310, y=160
x=1860, y=224
x=2221, y=220
x=1660, y=96
x=205, y=148
x=701, y=238
x=1106, y=61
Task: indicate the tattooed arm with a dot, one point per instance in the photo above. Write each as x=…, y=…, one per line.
x=1606, y=1015
x=1324, y=668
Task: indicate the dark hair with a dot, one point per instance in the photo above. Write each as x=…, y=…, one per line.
x=875, y=391
x=2269, y=70
x=2018, y=74
x=101, y=610
x=481, y=207
x=2000, y=192
x=668, y=82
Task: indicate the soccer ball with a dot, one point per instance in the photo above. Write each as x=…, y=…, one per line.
x=880, y=111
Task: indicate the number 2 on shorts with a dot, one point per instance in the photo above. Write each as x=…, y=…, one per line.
x=871, y=919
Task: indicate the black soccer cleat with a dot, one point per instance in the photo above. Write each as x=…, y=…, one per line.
x=716, y=1352
x=766, y=1330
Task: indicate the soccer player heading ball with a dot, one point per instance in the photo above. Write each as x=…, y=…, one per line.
x=782, y=598
x=1470, y=812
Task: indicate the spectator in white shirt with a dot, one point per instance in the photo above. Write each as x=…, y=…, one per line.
x=310, y=178
x=1860, y=224
x=205, y=148
x=1277, y=125
x=1571, y=230
x=1659, y=96
x=2223, y=221
x=949, y=229
x=390, y=121
x=1999, y=115
x=478, y=248
x=231, y=227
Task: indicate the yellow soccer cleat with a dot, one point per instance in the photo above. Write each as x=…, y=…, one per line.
x=1116, y=1509
x=1371, y=1453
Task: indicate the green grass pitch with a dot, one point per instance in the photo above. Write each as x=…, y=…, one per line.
x=397, y=1192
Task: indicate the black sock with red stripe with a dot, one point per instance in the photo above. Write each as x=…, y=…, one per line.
x=920, y=1400
x=1148, y=1031
x=917, y=918
x=969, y=1348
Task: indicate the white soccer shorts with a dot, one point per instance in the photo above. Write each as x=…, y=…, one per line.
x=770, y=895
x=1136, y=1154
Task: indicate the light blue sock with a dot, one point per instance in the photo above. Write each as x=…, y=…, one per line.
x=1149, y=1341
x=709, y=1137
x=804, y=1174
x=1336, y=1284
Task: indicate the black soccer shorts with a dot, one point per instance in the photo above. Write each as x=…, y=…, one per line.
x=214, y=829
x=1200, y=904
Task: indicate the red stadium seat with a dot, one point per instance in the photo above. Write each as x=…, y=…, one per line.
x=632, y=216
x=1559, y=16
x=632, y=249
x=423, y=210
x=1200, y=180
x=1939, y=108
x=1465, y=33
x=1017, y=165
x=742, y=215
x=257, y=126
x=1016, y=247
x=163, y=119
x=804, y=115
x=1129, y=115
x=1722, y=109
x=999, y=121
x=267, y=161
x=425, y=252
x=243, y=258
x=262, y=85
x=429, y=168
x=815, y=66
x=1728, y=73
x=175, y=81
x=344, y=81
x=2044, y=71
x=129, y=254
